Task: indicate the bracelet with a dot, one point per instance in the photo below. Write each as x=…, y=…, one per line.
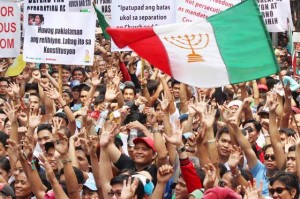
x=64, y=106
x=33, y=165
x=211, y=141
x=180, y=150
x=155, y=131
x=236, y=175
x=65, y=161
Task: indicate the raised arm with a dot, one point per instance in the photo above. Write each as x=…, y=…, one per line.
x=273, y=131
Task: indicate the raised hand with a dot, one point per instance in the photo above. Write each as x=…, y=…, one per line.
x=52, y=93
x=61, y=143
x=210, y=177
x=128, y=190
x=140, y=100
x=36, y=75
x=3, y=66
x=176, y=137
x=10, y=111
x=111, y=92
x=209, y=116
x=271, y=101
x=235, y=157
x=164, y=103
x=252, y=192
x=49, y=171
x=164, y=173
x=108, y=133
x=96, y=80
x=35, y=118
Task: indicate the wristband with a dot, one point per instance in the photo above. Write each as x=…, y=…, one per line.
x=211, y=141
x=180, y=150
x=64, y=106
x=65, y=161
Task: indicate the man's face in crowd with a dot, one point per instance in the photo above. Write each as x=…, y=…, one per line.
x=34, y=102
x=76, y=93
x=233, y=109
x=89, y=194
x=128, y=94
x=102, y=66
x=181, y=189
x=55, y=76
x=291, y=162
x=252, y=134
x=83, y=95
x=283, y=138
x=286, y=193
x=50, y=156
x=270, y=162
x=65, y=75
x=116, y=189
x=43, y=137
x=224, y=145
x=77, y=75
x=82, y=160
x=160, y=113
x=3, y=87
x=66, y=98
x=176, y=88
x=2, y=119
x=227, y=179
x=143, y=154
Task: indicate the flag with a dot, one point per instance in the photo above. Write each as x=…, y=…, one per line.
x=102, y=22
x=227, y=48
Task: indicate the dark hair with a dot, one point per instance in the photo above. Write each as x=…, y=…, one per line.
x=48, y=145
x=62, y=115
x=292, y=148
x=78, y=69
x=31, y=86
x=287, y=131
x=54, y=71
x=66, y=67
x=130, y=87
x=265, y=148
x=69, y=93
x=2, y=79
x=44, y=127
x=78, y=173
x=289, y=180
x=87, y=156
x=3, y=138
x=4, y=164
x=152, y=86
x=174, y=82
x=119, y=180
x=257, y=125
x=221, y=131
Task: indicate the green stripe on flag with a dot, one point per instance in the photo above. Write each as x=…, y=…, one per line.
x=102, y=22
x=244, y=42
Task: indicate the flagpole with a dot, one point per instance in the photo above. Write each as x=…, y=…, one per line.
x=60, y=80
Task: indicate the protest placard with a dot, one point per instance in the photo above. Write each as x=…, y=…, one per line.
x=10, y=33
x=60, y=38
x=276, y=14
x=80, y=5
x=142, y=13
x=46, y=5
x=105, y=7
x=296, y=41
x=191, y=10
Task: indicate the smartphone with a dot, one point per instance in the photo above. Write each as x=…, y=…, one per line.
x=26, y=98
x=247, y=130
x=121, y=86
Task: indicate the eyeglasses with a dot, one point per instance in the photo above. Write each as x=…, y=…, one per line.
x=221, y=183
x=278, y=190
x=112, y=193
x=267, y=157
x=290, y=158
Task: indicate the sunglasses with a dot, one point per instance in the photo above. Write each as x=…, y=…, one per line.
x=267, y=157
x=278, y=190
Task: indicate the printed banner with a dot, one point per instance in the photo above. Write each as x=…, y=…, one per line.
x=105, y=7
x=10, y=33
x=191, y=10
x=60, y=38
x=141, y=13
x=80, y=5
x=276, y=14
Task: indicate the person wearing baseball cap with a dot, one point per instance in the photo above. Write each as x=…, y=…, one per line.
x=7, y=191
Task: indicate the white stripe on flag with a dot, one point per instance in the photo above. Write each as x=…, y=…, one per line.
x=209, y=72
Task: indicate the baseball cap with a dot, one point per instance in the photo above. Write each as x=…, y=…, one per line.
x=263, y=111
x=235, y=103
x=74, y=83
x=90, y=183
x=146, y=140
x=7, y=190
x=262, y=87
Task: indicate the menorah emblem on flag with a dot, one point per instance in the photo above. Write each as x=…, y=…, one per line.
x=191, y=42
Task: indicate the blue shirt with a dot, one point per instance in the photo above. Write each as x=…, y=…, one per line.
x=259, y=172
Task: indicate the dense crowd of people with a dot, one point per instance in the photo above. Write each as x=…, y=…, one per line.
x=123, y=129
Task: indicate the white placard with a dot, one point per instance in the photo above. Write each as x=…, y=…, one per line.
x=61, y=38
x=10, y=33
x=141, y=13
x=105, y=7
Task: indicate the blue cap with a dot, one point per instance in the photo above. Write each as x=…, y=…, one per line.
x=74, y=83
